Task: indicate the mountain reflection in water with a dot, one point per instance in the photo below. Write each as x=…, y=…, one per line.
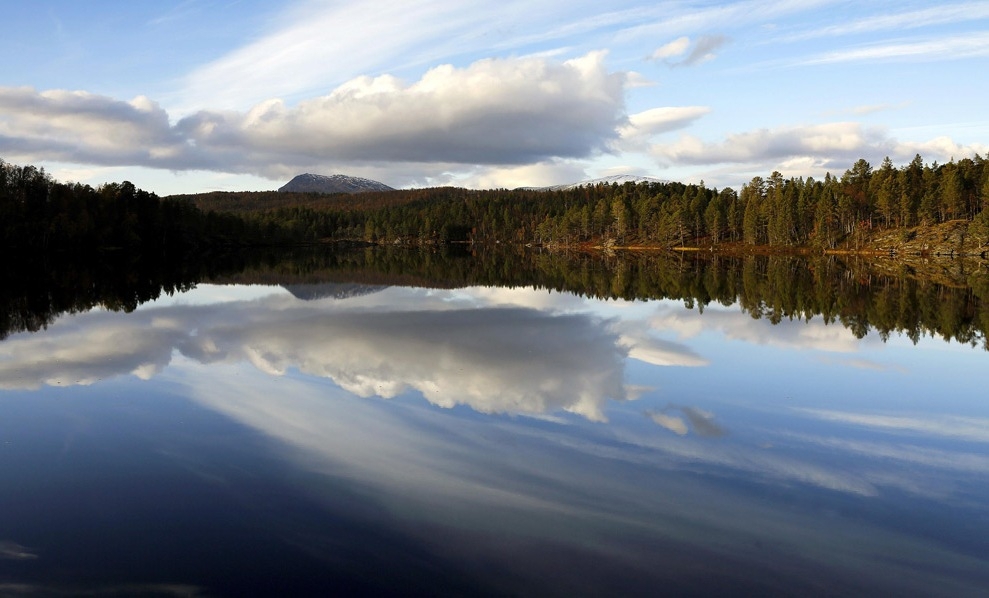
x=237, y=440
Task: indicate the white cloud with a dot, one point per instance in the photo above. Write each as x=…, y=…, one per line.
x=361, y=441
x=644, y=125
x=84, y=349
x=864, y=364
x=738, y=325
x=497, y=112
x=675, y=48
x=316, y=45
x=700, y=17
x=927, y=17
x=940, y=148
x=828, y=146
x=925, y=456
x=83, y=127
x=649, y=349
x=762, y=464
x=539, y=174
x=833, y=140
x=702, y=422
x=975, y=45
x=703, y=50
x=493, y=360
x=636, y=80
x=973, y=429
x=670, y=422
x=874, y=108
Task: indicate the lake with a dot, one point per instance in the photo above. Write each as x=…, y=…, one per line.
x=397, y=422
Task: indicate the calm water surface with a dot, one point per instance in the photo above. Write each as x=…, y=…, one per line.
x=249, y=440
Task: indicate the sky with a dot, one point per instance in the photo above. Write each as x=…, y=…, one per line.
x=200, y=95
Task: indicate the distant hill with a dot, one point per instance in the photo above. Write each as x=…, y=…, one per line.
x=619, y=179
x=337, y=183
x=336, y=290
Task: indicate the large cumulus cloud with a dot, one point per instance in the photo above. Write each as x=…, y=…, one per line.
x=494, y=111
x=84, y=127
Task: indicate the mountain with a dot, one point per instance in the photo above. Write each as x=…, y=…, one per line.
x=337, y=183
x=336, y=290
x=619, y=179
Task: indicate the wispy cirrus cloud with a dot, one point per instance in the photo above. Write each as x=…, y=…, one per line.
x=864, y=364
x=957, y=47
x=926, y=456
x=314, y=46
x=875, y=108
x=965, y=12
x=698, y=17
x=973, y=429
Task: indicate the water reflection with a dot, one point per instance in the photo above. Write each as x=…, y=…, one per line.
x=674, y=418
x=369, y=438
x=494, y=359
x=948, y=299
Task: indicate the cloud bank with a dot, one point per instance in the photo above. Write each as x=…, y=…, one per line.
x=828, y=145
x=508, y=111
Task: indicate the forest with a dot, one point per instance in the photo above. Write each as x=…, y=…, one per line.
x=773, y=211
x=37, y=212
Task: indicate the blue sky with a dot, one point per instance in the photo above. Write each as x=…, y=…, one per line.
x=202, y=95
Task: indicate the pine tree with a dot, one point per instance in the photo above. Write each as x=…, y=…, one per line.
x=753, y=231
x=885, y=188
x=826, y=215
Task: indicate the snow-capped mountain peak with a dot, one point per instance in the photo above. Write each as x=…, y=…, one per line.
x=337, y=183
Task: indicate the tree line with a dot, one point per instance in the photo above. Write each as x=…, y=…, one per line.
x=38, y=213
x=773, y=211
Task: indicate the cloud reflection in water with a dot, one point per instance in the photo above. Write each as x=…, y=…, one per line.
x=501, y=360
x=701, y=422
x=263, y=363
x=494, y=359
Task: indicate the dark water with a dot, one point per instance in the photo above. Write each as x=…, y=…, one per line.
x=362, y=438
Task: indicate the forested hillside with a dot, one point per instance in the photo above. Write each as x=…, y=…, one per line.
x=772, y=211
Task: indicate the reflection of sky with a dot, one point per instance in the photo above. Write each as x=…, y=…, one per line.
x=452, y=350
x=723, y=432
